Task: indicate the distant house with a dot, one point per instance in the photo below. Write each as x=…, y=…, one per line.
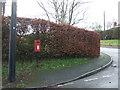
x=115, y=25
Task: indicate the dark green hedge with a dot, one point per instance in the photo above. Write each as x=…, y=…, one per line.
x=110, y=34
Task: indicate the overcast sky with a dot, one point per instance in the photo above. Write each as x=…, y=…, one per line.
x=30, y=8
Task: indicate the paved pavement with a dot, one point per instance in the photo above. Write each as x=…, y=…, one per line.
x=58, y=78
x=107, y=78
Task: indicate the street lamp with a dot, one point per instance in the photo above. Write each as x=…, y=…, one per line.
x=12, y=44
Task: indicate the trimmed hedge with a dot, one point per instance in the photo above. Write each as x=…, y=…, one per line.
x=56, y=39
x=70, y=40
x=112, y=33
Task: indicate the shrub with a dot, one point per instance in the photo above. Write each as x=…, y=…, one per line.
x=56, y=39
x=74, y=41
x=112, y=33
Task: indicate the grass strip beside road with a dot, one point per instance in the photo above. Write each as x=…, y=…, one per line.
x=24, y=70
x=110, y=42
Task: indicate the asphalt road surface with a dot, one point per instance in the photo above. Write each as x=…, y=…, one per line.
x=107, y=78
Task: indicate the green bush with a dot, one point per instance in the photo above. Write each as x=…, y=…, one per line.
x=113, y=33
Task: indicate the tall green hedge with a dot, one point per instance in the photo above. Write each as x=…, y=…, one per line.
x=113, y=33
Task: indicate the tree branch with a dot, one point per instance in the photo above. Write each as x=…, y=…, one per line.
x=43, y=7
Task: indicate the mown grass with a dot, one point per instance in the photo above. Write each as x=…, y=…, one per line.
x=25, y=69
x=59, y=64
x=110, y=42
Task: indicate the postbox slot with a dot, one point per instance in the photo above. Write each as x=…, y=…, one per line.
x=37, y=45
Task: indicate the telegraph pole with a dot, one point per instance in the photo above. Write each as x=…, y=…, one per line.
x=104, y=20
x=104, y=25
x=3, y=8
x=12, y=44
x=119, y=13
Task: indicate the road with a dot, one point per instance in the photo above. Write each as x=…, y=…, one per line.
x=107, y=78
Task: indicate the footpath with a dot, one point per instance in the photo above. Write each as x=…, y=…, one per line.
x=56, y=77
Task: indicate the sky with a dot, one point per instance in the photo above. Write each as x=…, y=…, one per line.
x=95, y=9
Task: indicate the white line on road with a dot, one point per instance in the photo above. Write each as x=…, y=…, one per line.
x=107, y=76
x=69, y=83
x=65, y=84
x=60, y=85
x=92, y=79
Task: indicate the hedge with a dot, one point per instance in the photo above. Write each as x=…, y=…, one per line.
x=70, y=40
x=56, y=39
x=112, y=33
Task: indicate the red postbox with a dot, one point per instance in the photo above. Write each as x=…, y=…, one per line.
x=37, y=45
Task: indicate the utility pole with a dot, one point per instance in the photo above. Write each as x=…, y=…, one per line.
x=119, y=13
x=12, y=44
x=104, y=26
x=0, y=43
x=104, y=20
x=3, y=8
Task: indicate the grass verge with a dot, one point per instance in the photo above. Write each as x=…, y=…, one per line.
x=24, y=70
x=110, y=42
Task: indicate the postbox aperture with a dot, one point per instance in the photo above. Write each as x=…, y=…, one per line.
x=37, y=45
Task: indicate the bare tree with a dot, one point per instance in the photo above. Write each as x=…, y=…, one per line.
x=109, y=25
x=96, y=26
x=65, y=11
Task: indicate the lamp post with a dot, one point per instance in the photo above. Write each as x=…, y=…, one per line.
x=12, y=44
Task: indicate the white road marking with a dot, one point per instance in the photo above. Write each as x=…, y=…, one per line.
x=107, y=76
x=65, y=84
x=69, y=83
x=92, y=79
x=60, y=85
